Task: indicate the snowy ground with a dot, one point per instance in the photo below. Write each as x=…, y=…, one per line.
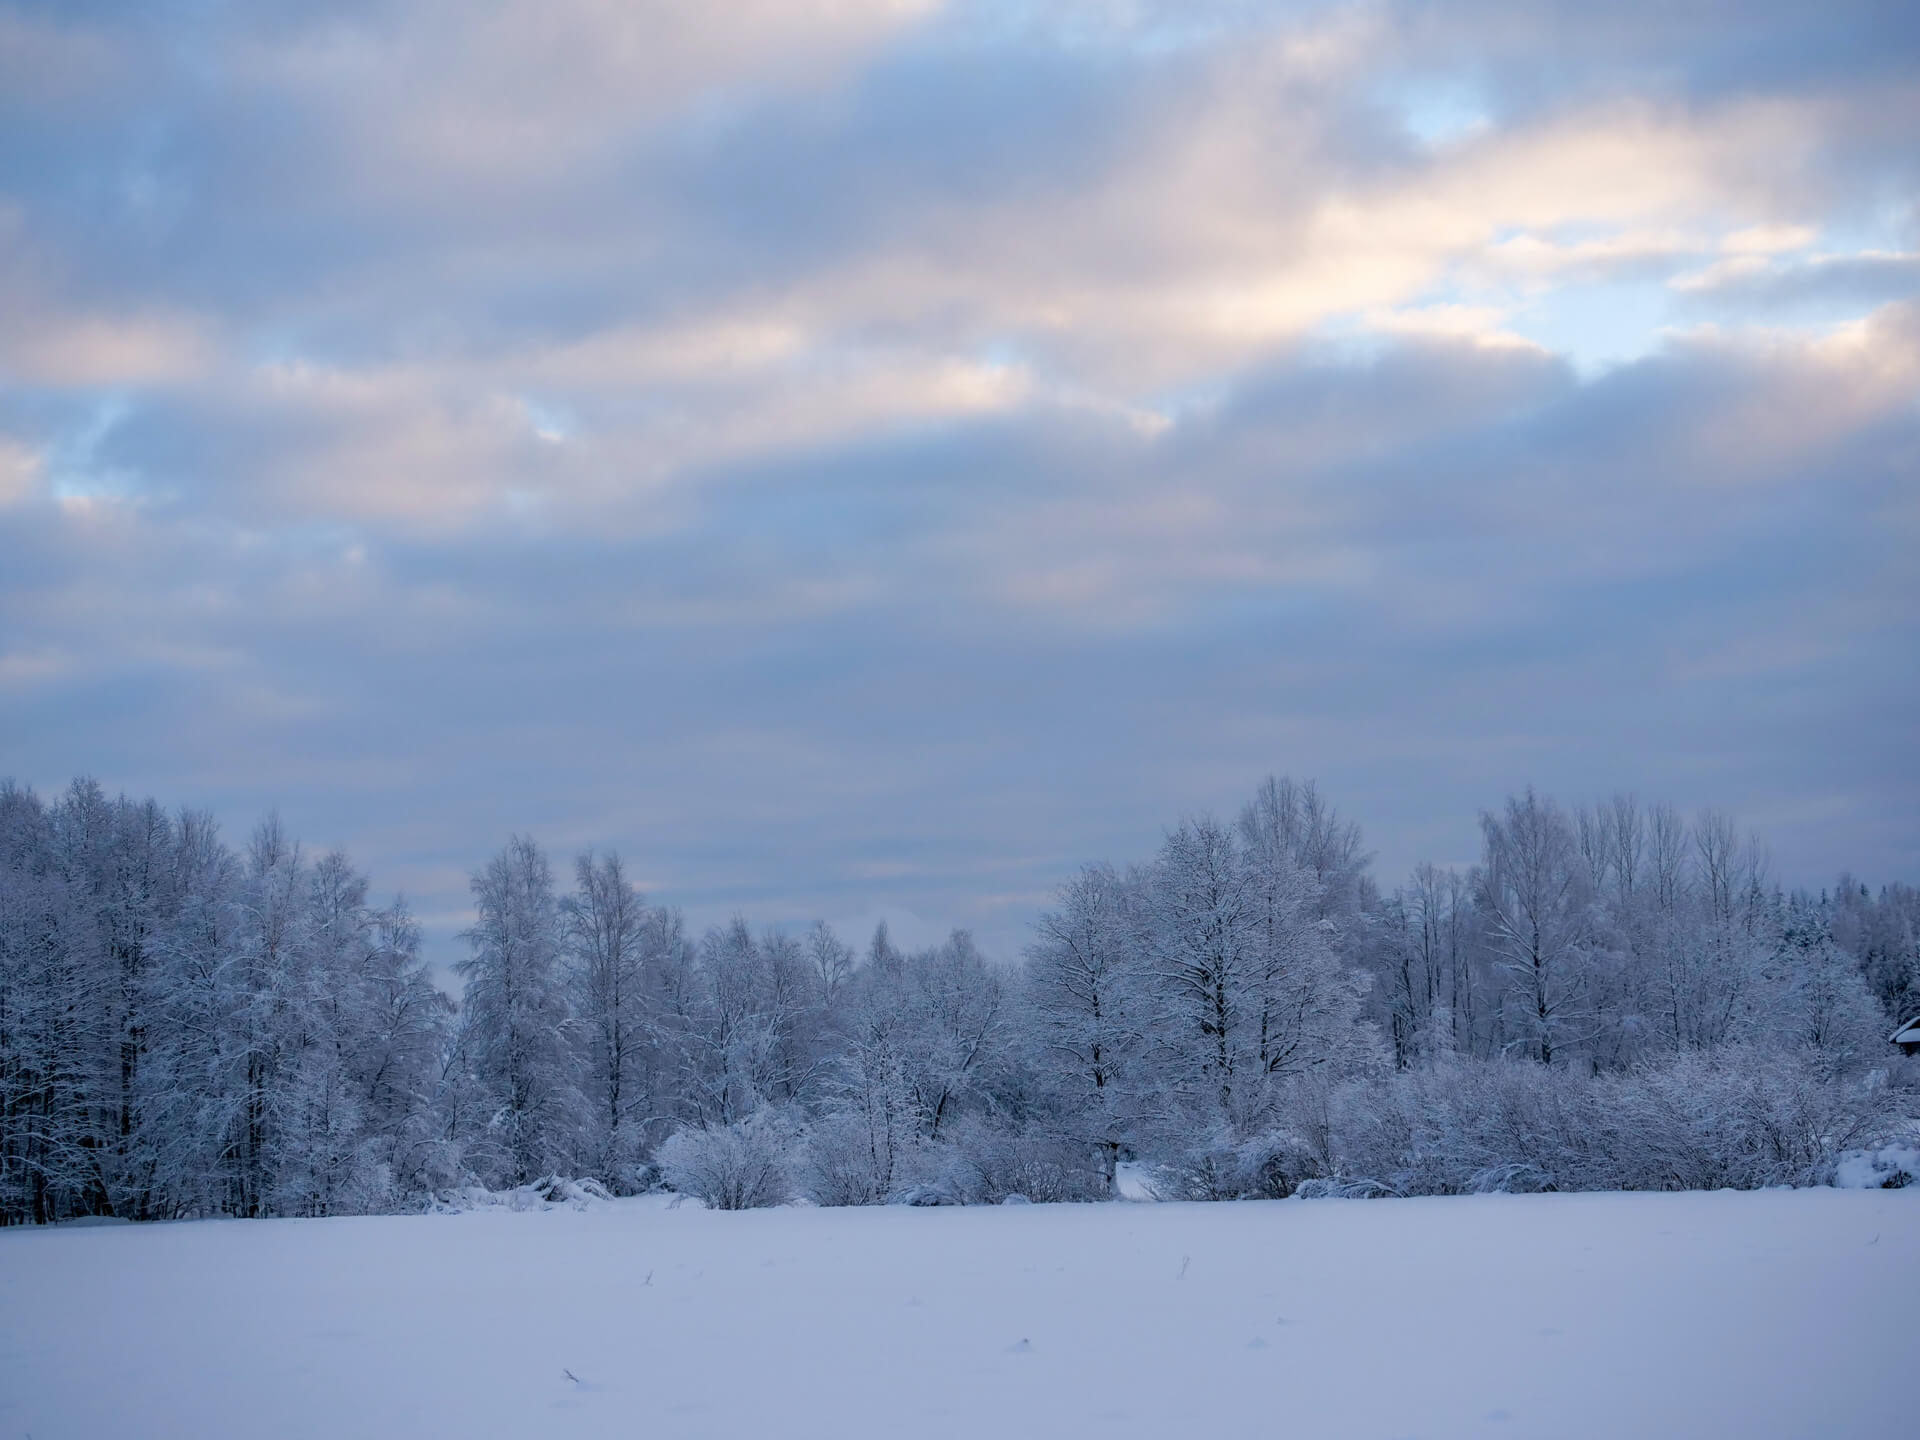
x=1772, y=1314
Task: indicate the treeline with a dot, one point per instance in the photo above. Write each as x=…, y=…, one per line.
x=1611, y=997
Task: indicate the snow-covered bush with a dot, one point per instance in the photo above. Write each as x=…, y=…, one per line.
x=1739, y=1117
x=939, y=1192
x=1274, y=1164
x=1327, y=1189
x=836, y=1166
x=1206, y=1169
x=1733, y=1117
x=847, y=1158
x=1269, y=1165
x=547, y=1193
x=992, y=1163
x=741, y=1166
x=1891, y=1167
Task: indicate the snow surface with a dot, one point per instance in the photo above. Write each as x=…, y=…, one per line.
x=1781, y=1313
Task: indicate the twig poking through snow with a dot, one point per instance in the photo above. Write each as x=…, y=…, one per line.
x=1185, y=1260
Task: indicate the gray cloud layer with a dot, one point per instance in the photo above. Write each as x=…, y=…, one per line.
x=860, y=458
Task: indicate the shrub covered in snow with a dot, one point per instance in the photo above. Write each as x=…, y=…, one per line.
x=1891, y=1167
x=1735, y=1117
x=741, y=1166
x=852, y=1158
x=992, y=1163
x=547, y=1193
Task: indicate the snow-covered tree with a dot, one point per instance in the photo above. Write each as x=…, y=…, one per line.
x=608, y=935
x=518, y=1016
x=1084, y=996
x=1614, y=996
x=1536, y=900
x=1818, y=998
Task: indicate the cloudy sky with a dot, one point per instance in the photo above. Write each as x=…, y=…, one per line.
x=864, y=457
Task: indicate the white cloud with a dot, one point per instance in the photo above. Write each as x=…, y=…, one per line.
x=20, y=472
x=82, y=350
x=1479, y=325
x=442, y=98
x=810, y=443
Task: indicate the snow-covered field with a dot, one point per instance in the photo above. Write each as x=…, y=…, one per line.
x=1770, y=1314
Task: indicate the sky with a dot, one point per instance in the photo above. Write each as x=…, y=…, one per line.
x=864, y=458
